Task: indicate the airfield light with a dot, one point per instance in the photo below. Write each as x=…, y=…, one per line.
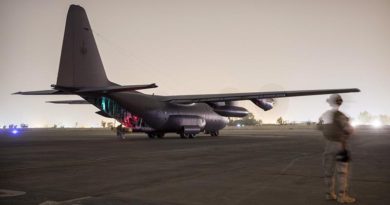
x=376, y=124
x=14, y=131
x=355, y=123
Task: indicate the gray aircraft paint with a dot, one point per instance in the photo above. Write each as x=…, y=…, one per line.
x=81, y=72
x=80, y=63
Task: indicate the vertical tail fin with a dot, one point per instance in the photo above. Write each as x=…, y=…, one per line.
x=80, y=63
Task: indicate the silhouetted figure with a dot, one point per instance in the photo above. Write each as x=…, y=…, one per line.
x=337, y=130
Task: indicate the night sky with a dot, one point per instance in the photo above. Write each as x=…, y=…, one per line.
x=199, y=47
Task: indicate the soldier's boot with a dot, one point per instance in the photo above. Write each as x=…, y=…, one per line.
x=330, y=196
x=343, y=173
x=344, y=198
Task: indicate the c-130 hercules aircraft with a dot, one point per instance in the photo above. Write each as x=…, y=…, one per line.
x=81, y=72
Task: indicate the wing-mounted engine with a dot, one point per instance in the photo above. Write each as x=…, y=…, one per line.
x=231, y=111
x=264, y=104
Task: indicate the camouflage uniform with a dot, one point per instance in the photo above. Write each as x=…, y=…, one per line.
x=336, y=129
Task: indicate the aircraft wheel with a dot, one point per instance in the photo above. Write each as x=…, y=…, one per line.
x=151, y=135
x=160, y=135
x=187, y=135
x=214, y=133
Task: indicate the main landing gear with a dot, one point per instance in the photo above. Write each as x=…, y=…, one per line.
x=214, y=133
x=187, y=135
x=153, y=135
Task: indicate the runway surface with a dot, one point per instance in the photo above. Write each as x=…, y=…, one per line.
x=242, y=166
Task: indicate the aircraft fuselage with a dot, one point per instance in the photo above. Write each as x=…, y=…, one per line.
x=157, y=115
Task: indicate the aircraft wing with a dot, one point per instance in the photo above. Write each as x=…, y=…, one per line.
x=250, y=96
x=72, y=102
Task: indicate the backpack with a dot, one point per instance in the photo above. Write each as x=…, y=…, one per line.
x=340, y=130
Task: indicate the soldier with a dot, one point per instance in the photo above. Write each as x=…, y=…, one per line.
x=337, y=130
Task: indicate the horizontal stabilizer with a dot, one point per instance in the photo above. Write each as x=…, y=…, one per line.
x=115, y=88
x=73, y=102
x=43, y=92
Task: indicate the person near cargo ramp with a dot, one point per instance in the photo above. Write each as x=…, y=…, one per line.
x=337, y=130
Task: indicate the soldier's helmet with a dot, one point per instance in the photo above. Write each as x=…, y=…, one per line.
x=335, y=100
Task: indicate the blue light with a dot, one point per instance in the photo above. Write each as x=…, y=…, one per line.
x=15, y=132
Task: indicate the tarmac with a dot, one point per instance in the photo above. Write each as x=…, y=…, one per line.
x=264, y=165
